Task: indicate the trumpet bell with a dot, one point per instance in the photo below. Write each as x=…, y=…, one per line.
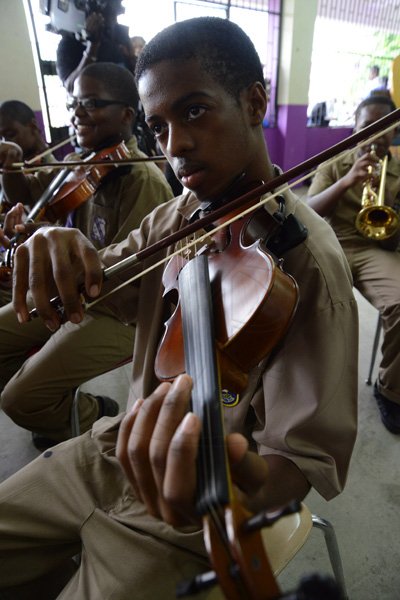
x=377, y=222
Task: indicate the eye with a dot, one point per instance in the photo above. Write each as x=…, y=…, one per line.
x=158, y=129
x=194, y=112
x=88, y=103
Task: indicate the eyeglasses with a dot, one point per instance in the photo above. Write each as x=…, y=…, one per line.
x=90, y=104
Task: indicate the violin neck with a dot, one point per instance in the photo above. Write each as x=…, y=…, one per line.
x=201, y=365
x=47, y=195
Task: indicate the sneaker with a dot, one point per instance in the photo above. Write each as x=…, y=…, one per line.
x=390, y=411
x=42, y=442
x=107, y=407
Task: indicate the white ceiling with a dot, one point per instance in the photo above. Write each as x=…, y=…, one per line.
x=380, y=14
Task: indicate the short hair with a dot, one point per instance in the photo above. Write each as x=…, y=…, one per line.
x=221, y=47
x=17, y=111
x=383, y=100
x=116, y=80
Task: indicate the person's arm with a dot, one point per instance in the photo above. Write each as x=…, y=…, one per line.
x=88, y=57
x=12, y=219
x=94, y=27
x=324, y=203
x=157, y=448
x=15, y=184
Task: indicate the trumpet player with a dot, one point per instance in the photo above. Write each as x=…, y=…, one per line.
x=361, y=201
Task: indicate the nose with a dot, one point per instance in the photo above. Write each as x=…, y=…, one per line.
x=180, y=140
x=79, y=110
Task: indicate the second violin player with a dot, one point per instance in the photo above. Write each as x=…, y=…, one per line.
x=102, y=114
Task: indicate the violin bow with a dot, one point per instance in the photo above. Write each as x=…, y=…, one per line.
x=366, y=135
x=48, y=151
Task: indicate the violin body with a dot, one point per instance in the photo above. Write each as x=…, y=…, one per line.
x=82, y=182
x=68, y=190
x=254, y=302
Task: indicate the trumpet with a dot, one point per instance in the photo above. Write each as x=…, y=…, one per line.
x=375, y=220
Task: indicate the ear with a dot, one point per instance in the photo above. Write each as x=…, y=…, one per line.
x=129, y=115
x=34, y=126
x=256, y=98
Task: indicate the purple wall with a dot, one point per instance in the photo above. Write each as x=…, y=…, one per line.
x=291, y=141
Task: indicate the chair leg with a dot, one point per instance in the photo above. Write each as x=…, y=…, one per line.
x=333, y=551
x=75, y=424
x=368, y=381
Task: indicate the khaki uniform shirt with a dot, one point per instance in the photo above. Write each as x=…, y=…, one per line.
x=343, y=218
x=119, y=203
x=301, y=401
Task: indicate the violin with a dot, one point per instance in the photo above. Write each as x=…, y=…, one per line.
x=66, y=192
x=237, y=554
x=74, y=187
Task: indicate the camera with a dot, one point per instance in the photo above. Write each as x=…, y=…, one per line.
x=70, y=15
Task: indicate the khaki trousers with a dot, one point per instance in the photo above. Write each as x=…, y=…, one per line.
x=40, y=371
x=376, y=274
x=75, y=498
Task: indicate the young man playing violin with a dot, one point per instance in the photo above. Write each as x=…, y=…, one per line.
x=129, y=504
x=38, y=391
x=371, y=247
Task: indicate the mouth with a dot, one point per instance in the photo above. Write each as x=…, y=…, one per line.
x=191, y=176
x=82, y=129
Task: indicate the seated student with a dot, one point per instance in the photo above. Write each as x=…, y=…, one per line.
x=37, y=392
x=202, y=87
x=18, y=124
x=335, y=193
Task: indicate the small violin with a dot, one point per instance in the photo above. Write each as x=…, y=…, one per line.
x=75, y=186
x=66, y=192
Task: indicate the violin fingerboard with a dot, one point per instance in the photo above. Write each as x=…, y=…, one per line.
x=201, y=365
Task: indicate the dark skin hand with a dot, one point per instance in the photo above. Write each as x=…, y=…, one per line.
x=325, y=202
x=55, y=260
x=14, y=183
x=157, y=448
x=12, y=224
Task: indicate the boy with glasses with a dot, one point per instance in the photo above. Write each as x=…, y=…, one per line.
x=38, y=391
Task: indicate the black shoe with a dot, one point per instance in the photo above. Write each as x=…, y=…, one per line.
x=390, y=411
x=42, y=442
x=107, y=407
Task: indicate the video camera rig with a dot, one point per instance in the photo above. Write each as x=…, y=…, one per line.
x=70, y=15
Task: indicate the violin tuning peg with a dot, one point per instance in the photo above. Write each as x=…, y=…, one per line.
x=198, y=584
x=267, y=519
